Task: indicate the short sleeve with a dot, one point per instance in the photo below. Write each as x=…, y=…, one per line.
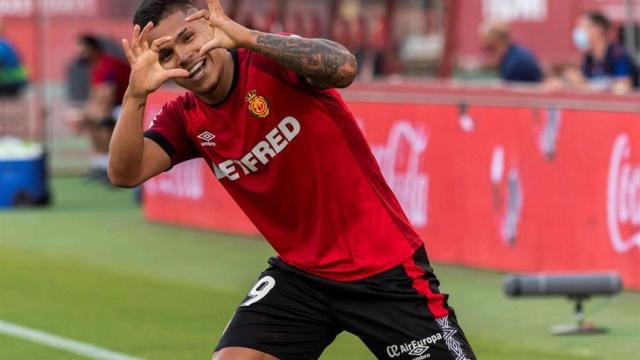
x=102, y=73
x=169, y=132
x=622, y=67
x=520, y=65
x=522, y=71
x=585, y=65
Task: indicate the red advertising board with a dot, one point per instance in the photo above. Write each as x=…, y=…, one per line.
x=497, y=187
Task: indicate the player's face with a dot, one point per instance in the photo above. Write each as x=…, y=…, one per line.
x=182, y=52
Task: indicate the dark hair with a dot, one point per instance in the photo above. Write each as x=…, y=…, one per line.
x=91, y=42
x=598, y=19
x=156, y=10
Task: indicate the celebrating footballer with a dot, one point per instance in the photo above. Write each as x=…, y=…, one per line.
x=263, y=111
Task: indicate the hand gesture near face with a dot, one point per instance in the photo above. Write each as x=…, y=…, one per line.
x=227, y=33
x=147, y=75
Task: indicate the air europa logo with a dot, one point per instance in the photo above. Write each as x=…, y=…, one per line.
x=623, y=197
x=414, y=348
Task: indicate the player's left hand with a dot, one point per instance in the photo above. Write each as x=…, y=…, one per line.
x=227, y=33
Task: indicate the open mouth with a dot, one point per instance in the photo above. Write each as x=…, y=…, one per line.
x=197, y=69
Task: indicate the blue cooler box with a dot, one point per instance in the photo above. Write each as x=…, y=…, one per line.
x=23, y=180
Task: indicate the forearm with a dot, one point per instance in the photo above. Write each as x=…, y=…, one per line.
x=94, y=111
x=325, y=63
x=127, y=143
x=101, y=102
x=622, y=86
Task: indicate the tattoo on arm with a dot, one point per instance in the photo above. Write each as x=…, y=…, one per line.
x=324, y=62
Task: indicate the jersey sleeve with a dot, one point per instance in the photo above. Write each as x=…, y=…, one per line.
x=169, y=132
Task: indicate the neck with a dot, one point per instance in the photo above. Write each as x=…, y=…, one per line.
x=599, y=49
x=503, y=50
x=95, y=57
x=221, y=90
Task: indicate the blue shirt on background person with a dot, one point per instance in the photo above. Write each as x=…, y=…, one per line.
x=13, y=74
x=616, y=64
x=520, y=65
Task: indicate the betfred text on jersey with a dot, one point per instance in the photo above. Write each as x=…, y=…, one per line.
x=274, y=143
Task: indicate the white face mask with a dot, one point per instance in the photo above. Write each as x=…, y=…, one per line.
x=580, y=38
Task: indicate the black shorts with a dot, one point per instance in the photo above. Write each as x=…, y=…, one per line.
x=398, y=314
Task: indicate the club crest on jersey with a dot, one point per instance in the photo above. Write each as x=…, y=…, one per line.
x=258, y=105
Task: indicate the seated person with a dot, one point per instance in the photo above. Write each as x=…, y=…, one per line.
x=606, y=65
x=108, y=81
x=515, y=63
x=13, y=75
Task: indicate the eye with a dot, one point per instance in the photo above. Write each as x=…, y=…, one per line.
x=187, y=37
x=164, y=55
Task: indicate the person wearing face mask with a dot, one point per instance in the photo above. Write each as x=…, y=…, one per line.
x=515, y=63
x=606, y=65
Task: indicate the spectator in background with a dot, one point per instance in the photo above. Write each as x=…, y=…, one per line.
x=606, y=65
x=343, y=32
x=368, y=46
x=515, y=63
x=291, y=24
x=13, y=75
x=108, y=81
x=311, y=25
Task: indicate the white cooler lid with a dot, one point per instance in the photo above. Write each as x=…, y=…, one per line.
x=14, y=149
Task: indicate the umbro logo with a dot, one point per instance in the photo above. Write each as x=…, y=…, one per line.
x=206, y=136
x=420, y=350
x=207, y=139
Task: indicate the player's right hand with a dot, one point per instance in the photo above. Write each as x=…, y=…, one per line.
x=147, y=75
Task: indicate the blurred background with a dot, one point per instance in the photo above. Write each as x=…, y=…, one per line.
x=508, y=129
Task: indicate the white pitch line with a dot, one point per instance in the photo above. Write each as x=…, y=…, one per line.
x=72, y=346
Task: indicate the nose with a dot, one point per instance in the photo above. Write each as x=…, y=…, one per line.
x=184, y=58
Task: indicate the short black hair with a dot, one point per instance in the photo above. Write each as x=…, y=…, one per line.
x=91, y=41
x=598, y=19
x=156, y=10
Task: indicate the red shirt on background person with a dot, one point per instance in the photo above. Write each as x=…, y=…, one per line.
x=108, y=69
x=108, y=79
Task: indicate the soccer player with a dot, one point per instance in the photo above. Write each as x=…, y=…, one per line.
x=262, y=111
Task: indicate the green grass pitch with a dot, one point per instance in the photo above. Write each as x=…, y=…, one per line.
x=91, y=269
